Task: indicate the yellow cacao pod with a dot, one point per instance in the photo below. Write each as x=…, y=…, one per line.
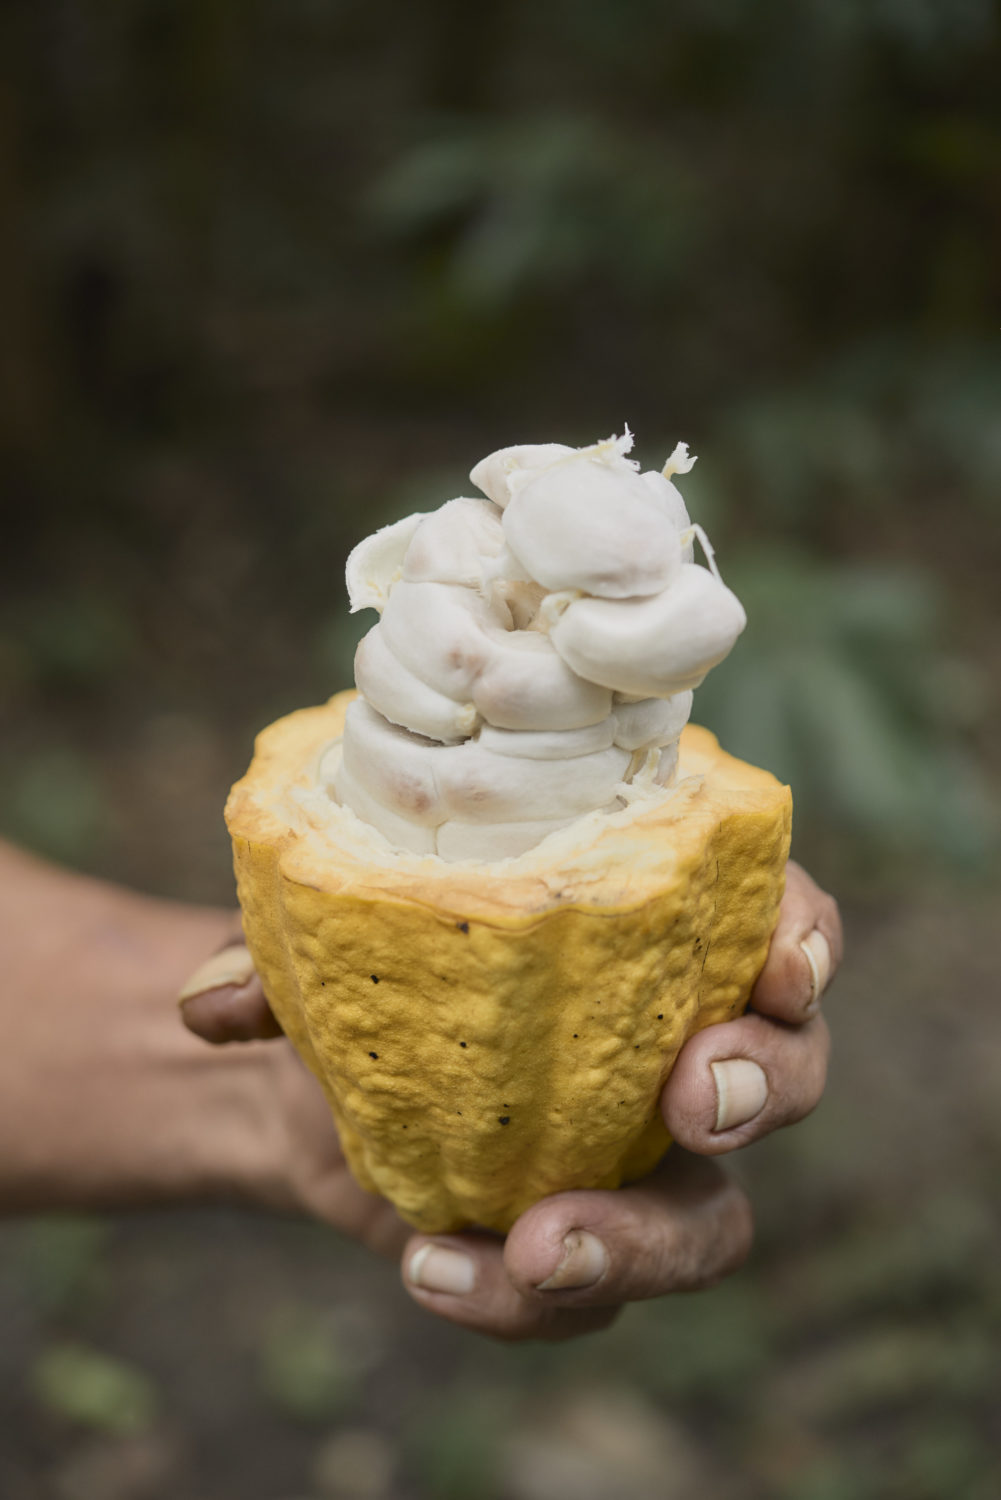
x=491, y=1034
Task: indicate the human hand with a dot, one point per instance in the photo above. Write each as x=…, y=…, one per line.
x=572, y=1260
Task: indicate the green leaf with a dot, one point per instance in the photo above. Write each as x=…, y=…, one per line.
x=56, y=804
x=841, y=685
x=454, y=1448
x=62, y=1259
x=301, y=1367
x=94, y=1389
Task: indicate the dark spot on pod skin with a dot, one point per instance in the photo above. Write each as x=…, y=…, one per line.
x=462, y=1044
x=374, y=1054
x=323, y=984
x=504, y=1119
x=661, y=1016
x=462, y=926
x=575, y=1036
x=374, y=978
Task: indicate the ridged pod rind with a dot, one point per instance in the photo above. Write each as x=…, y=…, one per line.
x=490, y=1034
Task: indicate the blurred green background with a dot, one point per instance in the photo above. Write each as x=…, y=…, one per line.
x=273, y=274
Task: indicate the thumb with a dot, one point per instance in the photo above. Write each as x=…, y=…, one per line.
x=223, y=1000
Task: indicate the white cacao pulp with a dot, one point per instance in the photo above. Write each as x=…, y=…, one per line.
x=535, y=654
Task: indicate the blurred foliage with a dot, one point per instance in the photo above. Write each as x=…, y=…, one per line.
x=458, y=1457
x=54, y=803
x=525, y=206
x=94, y=1389
x=275, y=274
x=887, y=423
x=356, y=1463
x=272, y=275
x=71, y=641
x=934, y=1259
x=301, y=1366
x=843, y=688
x=62, y=1262
x=655, y=208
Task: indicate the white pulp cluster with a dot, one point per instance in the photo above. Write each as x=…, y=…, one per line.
x=536, y=652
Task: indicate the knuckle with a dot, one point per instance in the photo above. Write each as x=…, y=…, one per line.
x=741, y=1233
x=828, y=910
x=514, y=1319
x=810, y=1073
x=540, y=1324
x=703, y=1263
x=660, y=1263
x=734, y=1242
x=820, y=1036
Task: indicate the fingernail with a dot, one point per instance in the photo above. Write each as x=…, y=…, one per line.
x=585, y=1261
x=818, y=956
x=437, y=1269
x=741, y=1091
x=231, y=966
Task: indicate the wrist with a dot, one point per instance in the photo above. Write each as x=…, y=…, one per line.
x=105, y=1098
x=210, y=1126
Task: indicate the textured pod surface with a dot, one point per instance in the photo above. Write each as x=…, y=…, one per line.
x=490, y=1034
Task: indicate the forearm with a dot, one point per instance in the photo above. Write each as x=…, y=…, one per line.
x=104, y=1097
